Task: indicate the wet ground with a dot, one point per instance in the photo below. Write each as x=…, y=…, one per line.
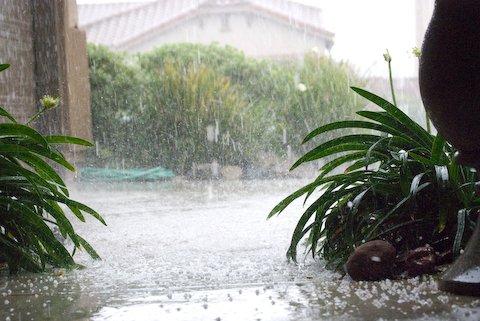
x=204, y=251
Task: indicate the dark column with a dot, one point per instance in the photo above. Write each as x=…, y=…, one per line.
x=48, y=47
x=17, y=87
x=61, y=69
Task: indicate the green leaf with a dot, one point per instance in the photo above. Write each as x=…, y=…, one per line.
x=356, y=201
x=461, y=219
x=339, y=144
x=289, y=199
x=416, y=130
x=17, y=256
x=320, y=206
x=77, y=213
x=52, y=155
x=424, y=160
x=302, y=191
x=328, y=167
x=44, y=170
x=48, y=244
x=88, y=248
x=441, y=174
x=397, y=227
x=372, y=148
x=4, y=66
x=438, y=155
x=19, y=130
x=348, y=124
x=53, y=139
x=384, y=118
x=414, y=187
x=37, y=182
x=64, y=225
x=360, y=164
x=77, y=205
x=375, y=226
x=6, y=114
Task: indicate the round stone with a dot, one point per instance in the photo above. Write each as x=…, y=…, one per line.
x=372, y=261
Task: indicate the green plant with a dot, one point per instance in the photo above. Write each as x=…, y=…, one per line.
x=166, y=99
x=117, y=96
x=186, y=101
x=33, y=196
x=401, y=184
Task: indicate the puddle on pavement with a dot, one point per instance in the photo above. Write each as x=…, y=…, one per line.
x=204, y=251
x=340, y=301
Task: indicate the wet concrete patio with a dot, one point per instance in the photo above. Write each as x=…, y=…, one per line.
x=205, y=251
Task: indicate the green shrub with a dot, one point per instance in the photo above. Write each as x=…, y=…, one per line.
x=183, y=104
x=253, y=122
x=116, y=95
x=319, y=94
x=173, y=93
x=33, y=196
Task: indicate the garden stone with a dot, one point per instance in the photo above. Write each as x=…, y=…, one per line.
x=420, y=261
x=371, y=261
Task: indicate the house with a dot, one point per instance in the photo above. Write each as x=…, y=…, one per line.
x=277, y=29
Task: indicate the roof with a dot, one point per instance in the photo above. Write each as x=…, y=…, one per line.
x=118, y=24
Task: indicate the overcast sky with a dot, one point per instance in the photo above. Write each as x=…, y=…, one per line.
x=364, y=29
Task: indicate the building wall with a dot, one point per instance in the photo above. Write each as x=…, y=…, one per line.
x=47, y=54
x=17, y=84
x=256, y=36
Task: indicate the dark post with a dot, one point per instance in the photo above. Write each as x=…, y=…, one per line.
x=450, y=88
x=48, y=49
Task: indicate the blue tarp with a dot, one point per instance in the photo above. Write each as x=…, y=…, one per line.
x=115, y=175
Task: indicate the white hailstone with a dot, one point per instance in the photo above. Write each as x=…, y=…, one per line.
x=443, y=298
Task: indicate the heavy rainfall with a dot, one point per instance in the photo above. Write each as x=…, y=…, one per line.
x=197, y=111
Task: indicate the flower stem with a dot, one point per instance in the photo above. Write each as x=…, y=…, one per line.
x=34, y=117
x=391, y=83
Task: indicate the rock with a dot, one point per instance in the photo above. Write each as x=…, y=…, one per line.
x=420, y=261
x=372, y=261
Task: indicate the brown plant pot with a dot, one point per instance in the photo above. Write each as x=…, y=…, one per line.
x=450, y=88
